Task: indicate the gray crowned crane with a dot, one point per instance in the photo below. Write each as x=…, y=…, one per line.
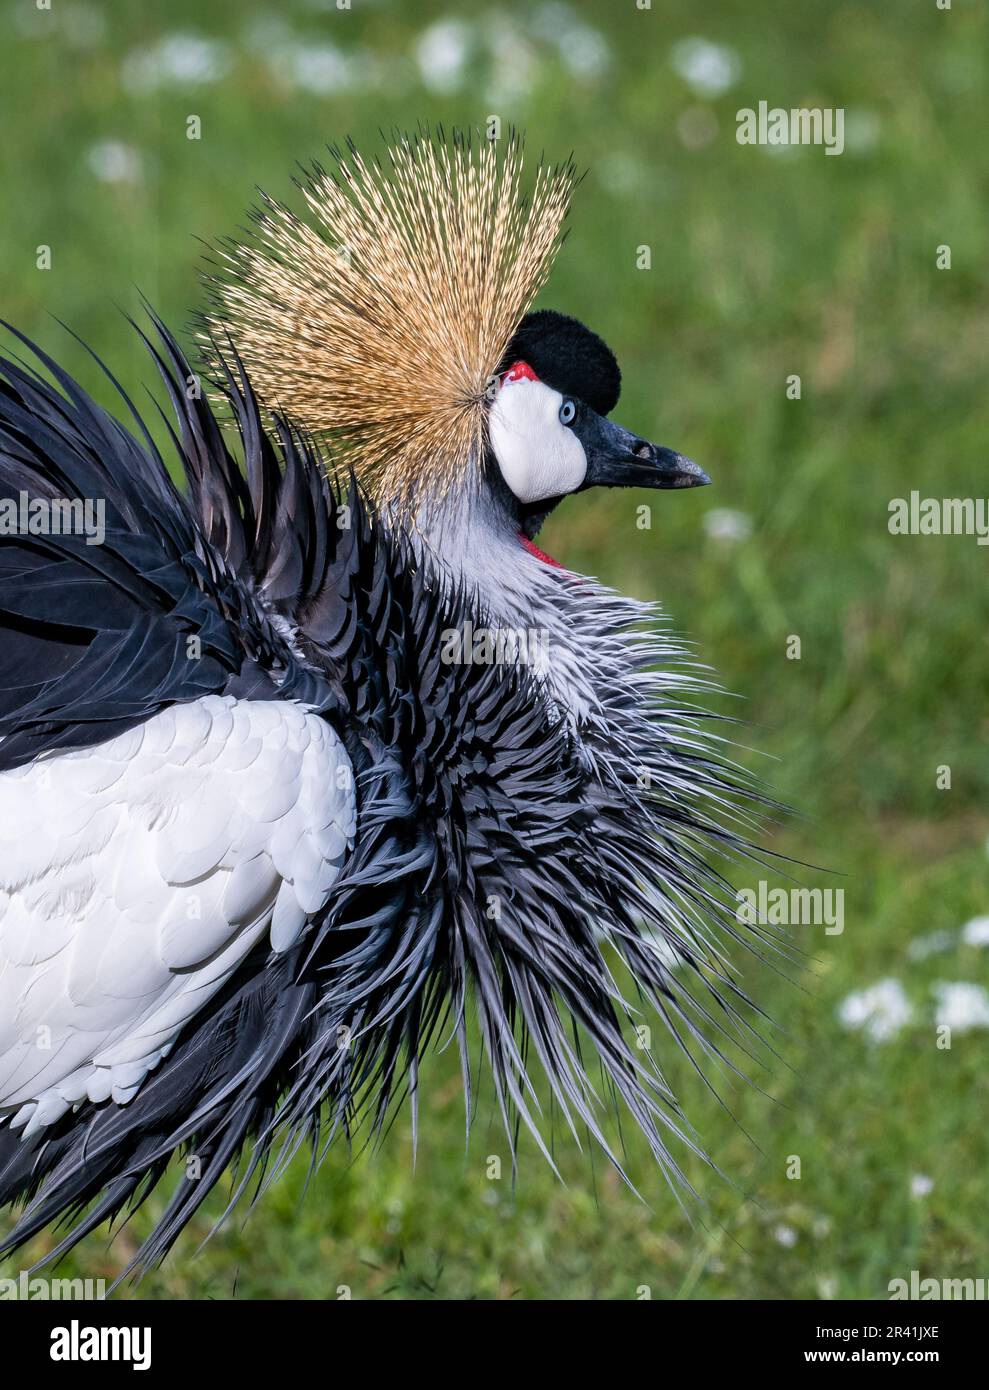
x=288, y=792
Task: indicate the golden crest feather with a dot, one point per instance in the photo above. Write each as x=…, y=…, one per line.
x=380, y=321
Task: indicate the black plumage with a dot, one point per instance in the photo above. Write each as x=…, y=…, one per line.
x=470, y=794
x=568, y=356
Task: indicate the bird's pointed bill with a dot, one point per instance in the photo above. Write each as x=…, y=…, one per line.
x=618, y=458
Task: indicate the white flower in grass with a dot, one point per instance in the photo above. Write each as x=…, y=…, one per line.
x=930, y=945
x=961, y=1006
x=179, y=60
x=442, y=52
x=267, y=33
x=785, y=1236
x=317, y=68
x=921, y=1185
x=553, y=18
x=723, y=524
x=707, y=68
x=114, y=162
x=584, y=51
x=881, y=1011
x=513, y=61
x=976, y=932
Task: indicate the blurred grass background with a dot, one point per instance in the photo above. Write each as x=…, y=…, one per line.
x=764, y=264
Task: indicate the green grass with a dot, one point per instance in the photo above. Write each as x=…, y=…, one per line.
x=762, y=266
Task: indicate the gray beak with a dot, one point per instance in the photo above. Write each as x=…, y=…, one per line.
x=618, y=458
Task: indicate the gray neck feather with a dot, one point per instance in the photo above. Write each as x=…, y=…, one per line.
x=572, y=618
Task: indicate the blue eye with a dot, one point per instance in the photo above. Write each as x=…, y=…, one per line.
x=568, y=412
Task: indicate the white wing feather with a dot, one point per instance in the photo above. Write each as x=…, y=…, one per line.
x=136, y=876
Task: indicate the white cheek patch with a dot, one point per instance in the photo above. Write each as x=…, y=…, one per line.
x=538, y=456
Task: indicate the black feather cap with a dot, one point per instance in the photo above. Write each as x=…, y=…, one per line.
x=565, y=354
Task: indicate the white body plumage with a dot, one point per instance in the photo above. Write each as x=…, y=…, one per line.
x=138, y=874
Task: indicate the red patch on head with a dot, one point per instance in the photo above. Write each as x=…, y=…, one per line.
x=519, y=371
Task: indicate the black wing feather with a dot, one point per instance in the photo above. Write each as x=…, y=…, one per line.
x=95, y=638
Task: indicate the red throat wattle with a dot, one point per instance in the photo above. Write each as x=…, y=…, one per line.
x=533, y=549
